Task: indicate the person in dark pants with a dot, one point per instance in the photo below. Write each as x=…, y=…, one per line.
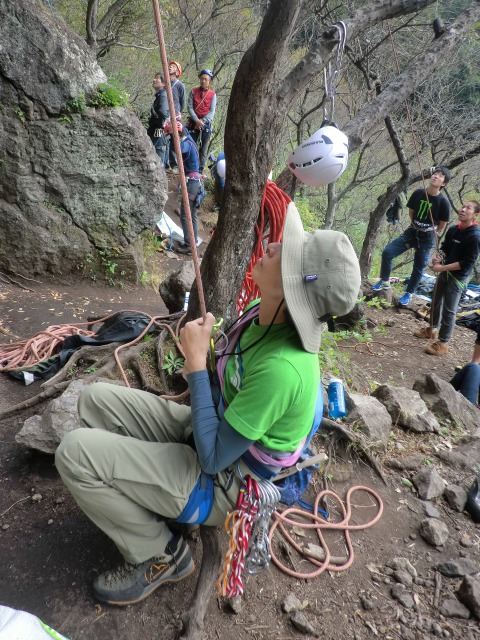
x=460, y=251
x=158, y=115
x=467, y=380
x=429, y=213
x=201, y=108
x=179, y=99
x=194, y=185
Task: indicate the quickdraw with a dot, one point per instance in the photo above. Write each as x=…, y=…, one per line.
x=248, y=527
x=239, y=526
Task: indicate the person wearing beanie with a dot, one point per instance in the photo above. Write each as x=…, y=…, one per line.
x=429, y=213
x=459, y=253
x=142, y=461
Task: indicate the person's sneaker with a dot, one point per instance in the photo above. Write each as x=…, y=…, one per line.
x=405, y=299
x=437, y=348
x=131, y=583
x=185, y=249
x=175, y=171
x=426, y=332
x=378, y=286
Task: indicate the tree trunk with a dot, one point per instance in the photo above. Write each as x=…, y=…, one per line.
x=331, y=206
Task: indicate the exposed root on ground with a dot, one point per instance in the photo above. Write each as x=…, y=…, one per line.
x=360, y=442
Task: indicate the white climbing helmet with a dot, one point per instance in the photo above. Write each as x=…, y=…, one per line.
x=221, y=169
x=322, y=158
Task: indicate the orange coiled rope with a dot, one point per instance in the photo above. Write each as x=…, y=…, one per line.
x=269, y=227
x=319, y=524
x=41, y=346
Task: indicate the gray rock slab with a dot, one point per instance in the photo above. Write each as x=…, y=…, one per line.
x=429, y=484
x=452, y=608
x=435, y=532
x=469, y=594
x=441, y=398
x=458, y=568
x=406, y=408
x=456, y=497
x=173, y=288
x=370, y=417
x=45, y=432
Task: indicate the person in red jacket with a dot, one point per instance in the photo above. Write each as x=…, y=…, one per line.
x=201, y=108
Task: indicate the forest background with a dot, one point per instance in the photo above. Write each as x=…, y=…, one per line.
x=438, y=123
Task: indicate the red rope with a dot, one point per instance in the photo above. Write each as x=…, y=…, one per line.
x=269, y=228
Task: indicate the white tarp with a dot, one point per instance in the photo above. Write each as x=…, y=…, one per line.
x=169, y=229
x=20, y=625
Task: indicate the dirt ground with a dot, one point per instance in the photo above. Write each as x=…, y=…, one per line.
x=50, y=552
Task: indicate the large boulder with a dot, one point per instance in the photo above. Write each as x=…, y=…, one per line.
x=73, y=186
x=406, y=408
x=441, y=398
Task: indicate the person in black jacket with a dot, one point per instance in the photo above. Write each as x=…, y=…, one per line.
x=460, y=250
x=429, y=213
x=159, y=113
x=467, y=380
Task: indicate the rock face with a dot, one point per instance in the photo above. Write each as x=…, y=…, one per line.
x=69, y=186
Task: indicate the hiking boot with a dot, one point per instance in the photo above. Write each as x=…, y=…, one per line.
x=131, y=583
x=426, y=332
x=185, y=249
x=405, y=299
x=437, y=348
x=380, y=285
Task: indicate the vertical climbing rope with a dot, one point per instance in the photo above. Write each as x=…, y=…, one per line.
x=178, y=151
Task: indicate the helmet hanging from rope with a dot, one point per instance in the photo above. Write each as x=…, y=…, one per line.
x=323, y=157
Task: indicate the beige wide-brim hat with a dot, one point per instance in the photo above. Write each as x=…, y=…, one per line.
x=320, y=277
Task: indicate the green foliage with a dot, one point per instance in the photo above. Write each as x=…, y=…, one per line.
x=20, y=114
x=376, y=303
x=76, y=105
x=109, y=95
x=172, y=363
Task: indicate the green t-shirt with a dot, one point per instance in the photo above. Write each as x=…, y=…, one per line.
x=271, y=390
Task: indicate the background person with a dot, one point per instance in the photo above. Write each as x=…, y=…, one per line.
x=202, y=102
x=179, y=99
x=139, y=460
x=159, y=113
x=195, y=186
x=420, y=235
x=460, y=248
x=467, y=380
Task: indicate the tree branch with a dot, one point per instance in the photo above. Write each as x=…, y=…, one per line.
x=391, y=98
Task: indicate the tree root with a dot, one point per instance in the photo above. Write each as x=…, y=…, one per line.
x=356, y=439
x=193, y=619
x=31, y=402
